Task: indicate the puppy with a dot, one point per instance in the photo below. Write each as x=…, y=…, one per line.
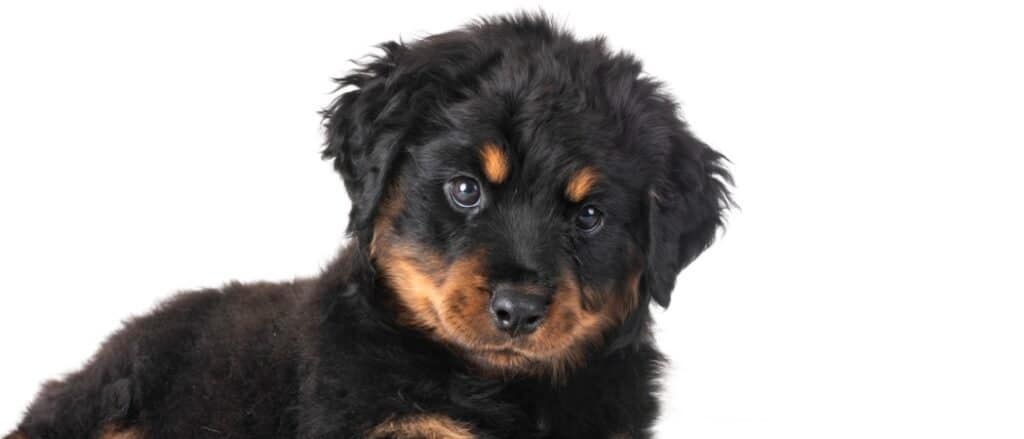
x=519, y=198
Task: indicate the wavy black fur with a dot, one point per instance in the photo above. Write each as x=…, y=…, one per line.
x=324, y=358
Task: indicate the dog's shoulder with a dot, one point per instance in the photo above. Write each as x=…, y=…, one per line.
x=217, y=317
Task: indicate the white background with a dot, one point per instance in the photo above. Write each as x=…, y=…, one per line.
x=870, y=287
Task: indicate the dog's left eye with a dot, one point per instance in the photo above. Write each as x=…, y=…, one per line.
x=464, y=192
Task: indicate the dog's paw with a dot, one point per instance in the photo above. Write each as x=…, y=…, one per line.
x=422, y=427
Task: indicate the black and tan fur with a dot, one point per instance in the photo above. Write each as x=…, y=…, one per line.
x=590, y=196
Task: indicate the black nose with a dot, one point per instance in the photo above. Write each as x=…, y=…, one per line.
x=516, y=312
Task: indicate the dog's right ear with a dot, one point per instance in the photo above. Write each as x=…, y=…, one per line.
x=385, y=104
x=364, y=127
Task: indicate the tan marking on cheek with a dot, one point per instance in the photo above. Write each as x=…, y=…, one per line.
x=415, y=288
x=422, y=427
x=563, y=340
x=626, y=292
x=383, y=224
x=16, y=435
x=407, y=269
x=463, y=304
x=628, y=298
x=494, y=163
x=380, y=227
x=580, y=184
x=449, y=301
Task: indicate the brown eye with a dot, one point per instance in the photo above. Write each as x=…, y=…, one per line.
x=464, y=192
x=589, y=219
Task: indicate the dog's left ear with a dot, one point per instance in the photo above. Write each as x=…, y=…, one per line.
x=685, y=209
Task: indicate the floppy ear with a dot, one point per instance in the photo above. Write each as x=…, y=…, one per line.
x=386, y=106
x=685, y=210
x=364, y=150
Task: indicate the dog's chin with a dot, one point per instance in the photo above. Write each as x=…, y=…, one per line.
x=510, y=360
x=501, y=357
x=502, y=361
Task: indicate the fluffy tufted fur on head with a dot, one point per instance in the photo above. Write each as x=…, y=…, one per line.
x=520, y=197
x=555, y=105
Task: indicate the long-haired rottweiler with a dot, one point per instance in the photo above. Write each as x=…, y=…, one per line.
x=519, y=198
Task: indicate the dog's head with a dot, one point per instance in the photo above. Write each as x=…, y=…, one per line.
x=524, y=195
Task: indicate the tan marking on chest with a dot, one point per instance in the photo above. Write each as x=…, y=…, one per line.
x=422, y=427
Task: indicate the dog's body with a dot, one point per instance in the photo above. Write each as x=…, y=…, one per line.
x=519, y=198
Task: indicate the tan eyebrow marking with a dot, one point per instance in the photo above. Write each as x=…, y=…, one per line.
x=580, y=184
x=495, y=163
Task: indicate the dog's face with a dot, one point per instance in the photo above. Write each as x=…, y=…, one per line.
x=519, y=255
x=523, y=195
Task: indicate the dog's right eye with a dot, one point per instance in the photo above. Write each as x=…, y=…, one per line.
x=589, y=219
x=464, y=192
